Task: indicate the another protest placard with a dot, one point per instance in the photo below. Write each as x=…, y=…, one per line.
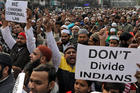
x=18, y=88
x=107, y=64
x=16, y=11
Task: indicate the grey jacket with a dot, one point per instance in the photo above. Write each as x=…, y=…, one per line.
x=7, y=85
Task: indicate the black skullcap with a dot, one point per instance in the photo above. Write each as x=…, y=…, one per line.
x=125, y=36
x=5, y=59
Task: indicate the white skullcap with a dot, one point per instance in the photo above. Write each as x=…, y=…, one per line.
x=86, y=18
x=114, y=37
x=64, y=26
x=112, y=30
x=33, y=21
x=134, y=12
x=65, y=31
x=76, y=27
x=114, y=24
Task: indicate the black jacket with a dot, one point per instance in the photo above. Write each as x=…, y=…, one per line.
x=20, y=57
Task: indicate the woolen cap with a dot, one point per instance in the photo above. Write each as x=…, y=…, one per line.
x=5, y=59
x=22, y=34
x=83, y=31
x=69, y=47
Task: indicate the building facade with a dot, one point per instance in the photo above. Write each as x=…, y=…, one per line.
x=123, y=3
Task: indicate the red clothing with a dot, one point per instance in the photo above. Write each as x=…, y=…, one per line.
x=69, y=92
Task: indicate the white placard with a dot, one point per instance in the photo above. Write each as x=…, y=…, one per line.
x=18, y=88
x=16, y=11
x=107, y=64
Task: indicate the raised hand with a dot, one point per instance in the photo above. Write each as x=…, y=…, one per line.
x=137, y=75
x=102, y=34
x=29, y=15
x=4, y=22
x=48, y=23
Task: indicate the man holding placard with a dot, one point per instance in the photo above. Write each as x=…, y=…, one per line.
x=20, y=49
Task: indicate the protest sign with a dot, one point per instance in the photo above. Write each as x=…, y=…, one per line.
x=16, y=11
x=106, y=64
x=18, y=88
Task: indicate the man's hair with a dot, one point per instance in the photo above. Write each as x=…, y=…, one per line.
x=125, y=36
x=22, y=25
x=115, y=86
x=89, y=82
x=45, y=52
x=48, y=68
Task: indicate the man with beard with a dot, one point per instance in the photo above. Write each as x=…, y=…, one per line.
x=42, y=79
x=66, y=70
x=7, y=80
x=83, y=36
x=65, y=40
x=65, y=65
x=22, y=47
x=41, y=55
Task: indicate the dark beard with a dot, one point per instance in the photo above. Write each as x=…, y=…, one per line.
x=29, y=68
x=1, y=75
x=64, y=42
x=31, y=65
x=21, y=45
x=84, y=43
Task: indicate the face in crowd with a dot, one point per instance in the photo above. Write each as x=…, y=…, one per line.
x=35, y=55
x=94, y=39
x=21, y=40
x=113, y=43
x=41, y=53
x=82, y=86
x=18, y=28
x=70, y=55
x=83, y=38
x=39, y=82
x=113, y=87
x=42, y=79
x=65, y=38
x=4, y=71
x=75, y=30
x=5, y=65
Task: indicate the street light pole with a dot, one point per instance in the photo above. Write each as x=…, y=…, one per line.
x=102, y=4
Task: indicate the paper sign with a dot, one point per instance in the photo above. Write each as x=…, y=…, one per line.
x=16, y=11
x=107, y=64
x=18, y=88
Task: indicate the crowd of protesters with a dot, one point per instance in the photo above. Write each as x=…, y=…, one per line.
x=45, y=48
